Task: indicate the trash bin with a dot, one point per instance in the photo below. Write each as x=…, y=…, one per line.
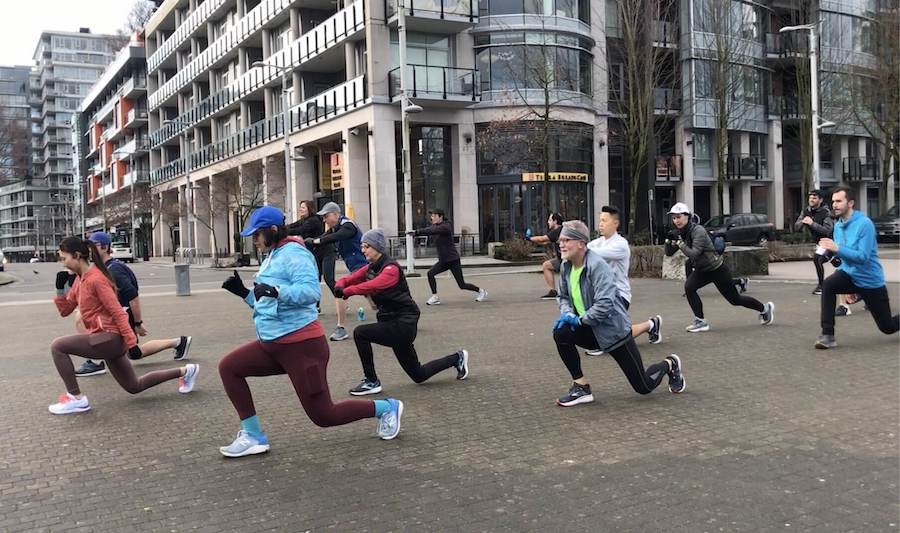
x=182, y=280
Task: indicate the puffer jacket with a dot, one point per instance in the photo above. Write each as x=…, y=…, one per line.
x=697, y=245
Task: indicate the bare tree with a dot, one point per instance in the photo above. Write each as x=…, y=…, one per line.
x=140, y=13
x=166, y=213
x=229, y=196
x=14, y=150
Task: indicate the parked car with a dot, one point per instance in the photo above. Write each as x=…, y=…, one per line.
x=742, y=228
x=122, y=252
x=887, y=226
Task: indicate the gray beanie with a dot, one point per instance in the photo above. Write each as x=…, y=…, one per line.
x=375, y=238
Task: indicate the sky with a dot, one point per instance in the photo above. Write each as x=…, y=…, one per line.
x=22, y=22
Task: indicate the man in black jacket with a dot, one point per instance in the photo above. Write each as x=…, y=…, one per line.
x=448, y=256
x=817, y=220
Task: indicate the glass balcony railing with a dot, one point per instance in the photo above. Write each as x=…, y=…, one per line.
x=666, y=99
x=428, y=81
x=328, y=104
x=859, y=168
x=180, y=35
x=330, y=32
x=787, y=44
x=746, y=166
x=442, y=8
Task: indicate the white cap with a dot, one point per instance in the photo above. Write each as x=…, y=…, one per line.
x=680, y=208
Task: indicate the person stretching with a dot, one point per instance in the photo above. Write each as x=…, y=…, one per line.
x=592, y=315
x=550, y=267
x=448, y=256
x=398, y=318
x=108, y=335
x=290, y=340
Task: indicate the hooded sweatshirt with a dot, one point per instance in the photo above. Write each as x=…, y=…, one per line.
x=858, y=251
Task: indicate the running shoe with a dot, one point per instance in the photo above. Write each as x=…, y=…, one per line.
x=551, y=295
x=90, y=368
x=742, y=284
x=67, y=404
x=339, y=334
x=818, y=290
x=366, y=387
x=676, y=378
x=187, y=381
x=434, y=300
x=843, y=310
x=482, y=294
x=184, y=345
x=697, y=326
x=824, y=342
x=593, y=353
x=246, y=444
x=577, y=394
x=389, y=423
x=768, y=314
x=462, y=364
x=655, y=333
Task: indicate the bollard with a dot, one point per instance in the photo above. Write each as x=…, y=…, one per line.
x=182, y=280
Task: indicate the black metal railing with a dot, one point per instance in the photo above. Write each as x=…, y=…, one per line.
x=443, y=8
x=428, y=81
x=423, y=247
x=744, y=166
x=859, y=168
x=787, y=44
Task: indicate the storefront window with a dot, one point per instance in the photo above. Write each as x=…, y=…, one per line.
x=431, y=173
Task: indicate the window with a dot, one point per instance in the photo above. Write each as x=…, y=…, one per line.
x=703, y=79
x=702, y=151
x=532, y=66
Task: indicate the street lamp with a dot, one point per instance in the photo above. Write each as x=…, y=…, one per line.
x=285, y=127
x=187, y=178
x=406, y=108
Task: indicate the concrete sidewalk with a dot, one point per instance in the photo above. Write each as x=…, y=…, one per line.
x=421, y=263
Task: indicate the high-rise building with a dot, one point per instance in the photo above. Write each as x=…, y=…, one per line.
x=15, y=160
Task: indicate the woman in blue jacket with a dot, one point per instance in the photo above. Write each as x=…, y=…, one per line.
x=290, y=340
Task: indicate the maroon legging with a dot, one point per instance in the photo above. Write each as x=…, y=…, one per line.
x=306, y=363
x=111, y=348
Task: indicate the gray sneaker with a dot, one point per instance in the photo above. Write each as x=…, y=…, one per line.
x=824, y=342
x=366, y=387
x=697, y=326
x=655, y=333
x=768, y=314
x=339, y=334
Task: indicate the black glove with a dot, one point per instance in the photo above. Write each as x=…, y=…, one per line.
x=673, y=235
x=308, y=242
x=235, y=286
x=261, y=289
x=338, y=292
x=134, y=353
x=63, y=277
x=836, y=261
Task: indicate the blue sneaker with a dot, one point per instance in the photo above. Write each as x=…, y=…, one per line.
x=389, y=423
x=245, y=444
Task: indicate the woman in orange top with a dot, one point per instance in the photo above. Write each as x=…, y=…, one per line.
x=108, y=334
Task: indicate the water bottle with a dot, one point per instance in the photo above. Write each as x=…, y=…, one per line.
x=360, y=314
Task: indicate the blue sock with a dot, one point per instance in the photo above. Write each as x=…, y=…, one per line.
x=381, y=407
x=251, y=426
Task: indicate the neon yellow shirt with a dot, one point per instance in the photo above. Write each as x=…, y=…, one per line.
x=575, y=289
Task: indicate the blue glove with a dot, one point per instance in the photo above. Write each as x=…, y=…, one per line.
x=567, y=319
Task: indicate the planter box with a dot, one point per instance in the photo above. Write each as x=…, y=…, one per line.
x=741, y=260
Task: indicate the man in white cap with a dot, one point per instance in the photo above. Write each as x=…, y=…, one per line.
x=694, y=241
x=345, y=235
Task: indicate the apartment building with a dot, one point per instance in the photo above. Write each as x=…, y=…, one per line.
x=216, y=70
x=114, y=143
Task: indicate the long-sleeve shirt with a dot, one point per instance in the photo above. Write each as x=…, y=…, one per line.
x=94, y=295
x=443, y=240
x=617, y=254
x=858, y=251
x=822, y=225
x=355, y=283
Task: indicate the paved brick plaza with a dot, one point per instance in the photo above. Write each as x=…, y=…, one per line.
x=770, y=435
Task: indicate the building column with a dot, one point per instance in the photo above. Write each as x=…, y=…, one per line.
x=383, y=199
x=601, y=166
x=355, y=165
x=182, y=217
x=274, y=183
x=305, y=179
x=862, y=201
x=220, y=213
x=891, y=183
x=464, y=184
x=684, y=191
x=774, y=153
x=839, y=151
x=202, y=212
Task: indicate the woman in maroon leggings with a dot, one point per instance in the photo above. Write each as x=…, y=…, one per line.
x=108, y=334
x=290, y=340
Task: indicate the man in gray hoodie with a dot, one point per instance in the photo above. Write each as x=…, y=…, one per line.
x=593, y=316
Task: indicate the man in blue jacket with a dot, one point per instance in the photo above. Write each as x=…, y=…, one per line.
x=594, y=317
x=860, y=271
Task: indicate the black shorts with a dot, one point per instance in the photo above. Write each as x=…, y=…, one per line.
x=555, y=264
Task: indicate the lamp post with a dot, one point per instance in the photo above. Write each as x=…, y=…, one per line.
x=406, y=108
x=290, y=201
x=814, y=94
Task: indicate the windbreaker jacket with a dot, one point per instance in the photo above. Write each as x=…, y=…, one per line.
x=858, y=251
x=291, y=269
x=604, y=311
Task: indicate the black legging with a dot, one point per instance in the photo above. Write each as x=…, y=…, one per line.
x=689, y=267
x=327, y=270
x=722, y=278
x=455, y=268
x=626, y=355
x=399, y=336
x=877, y=301
x=819, y=261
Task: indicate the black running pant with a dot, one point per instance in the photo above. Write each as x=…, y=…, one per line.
x=327, y=270
x=455, y=268
x=399, y=336
x=819, y=261
x=876, y=300
x=626, y=355
x=689, y=267
x=722, y=279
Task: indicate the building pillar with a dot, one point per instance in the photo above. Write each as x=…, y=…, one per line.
x=862, y=200
x=350, y=59
x=202, y=212
x=774, y=153
x=684, y=191
x=464, y=183
x=305, y=179
x=182, y=217
x=383, y=199
x=220, y=213
x=891, y=183
x=274, y=183
x=839, y=151
x=745, y=205
x=355, y=163
x=601, y=167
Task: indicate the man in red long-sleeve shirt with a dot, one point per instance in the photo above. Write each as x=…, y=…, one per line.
x=398, y=318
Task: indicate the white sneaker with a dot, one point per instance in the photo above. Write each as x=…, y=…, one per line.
x=186, y=382
x=482, y=294
x=593, y=352
x=434, y=300
x=697, y=326
x=68, y=404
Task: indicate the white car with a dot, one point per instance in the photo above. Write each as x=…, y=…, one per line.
x=122, y=252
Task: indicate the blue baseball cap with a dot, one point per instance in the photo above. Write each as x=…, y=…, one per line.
x=263, y=218
x=101, y=237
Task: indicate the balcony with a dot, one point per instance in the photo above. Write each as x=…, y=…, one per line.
x=140, y=176
x=668, y=168
x=786, y=45
x=456, y=87
x=746, y=167
x=135, y=86
x=325, y=105
x=135, y=117
x=666, y=100
x=332, y=32
x=859, y=168
x=187, y=28
x=665, y=34
x=435, y=16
